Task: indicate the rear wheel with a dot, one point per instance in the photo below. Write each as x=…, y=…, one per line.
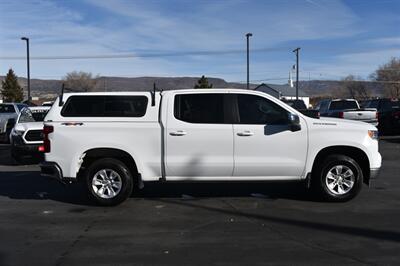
x=109, y=181
x=338, y=178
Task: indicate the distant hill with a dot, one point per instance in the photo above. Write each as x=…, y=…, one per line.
x=48, y=88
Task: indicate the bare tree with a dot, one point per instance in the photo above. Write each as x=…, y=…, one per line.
x=389, y=74
x=82, y=81
x=354, y=88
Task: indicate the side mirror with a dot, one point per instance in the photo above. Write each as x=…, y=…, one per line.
x=294, y=122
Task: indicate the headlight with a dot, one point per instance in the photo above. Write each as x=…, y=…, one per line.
x=373, y=134
x=18, y=132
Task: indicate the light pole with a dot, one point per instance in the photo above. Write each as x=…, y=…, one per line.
x=297, y=71
x=248, y=35
x=27, y=65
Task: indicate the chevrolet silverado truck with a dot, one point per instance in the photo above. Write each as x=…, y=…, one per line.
x=26, y=137
x=114, y=142
x=348, y=109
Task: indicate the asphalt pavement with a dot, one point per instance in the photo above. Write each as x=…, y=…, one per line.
x=45, y=223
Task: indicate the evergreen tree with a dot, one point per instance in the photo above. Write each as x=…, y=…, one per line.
x=11, y=90
x=202, y=83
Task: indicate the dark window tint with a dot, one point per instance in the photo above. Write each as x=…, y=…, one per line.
x=105, y=106
x=343, y=105
x=21, y=106
x=372, y=104
x=296, y=104
x=258, y=110
x=200, y=108
x=7, y=108
x=323, y=106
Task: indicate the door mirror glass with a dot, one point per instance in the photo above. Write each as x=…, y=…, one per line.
x=294, y=122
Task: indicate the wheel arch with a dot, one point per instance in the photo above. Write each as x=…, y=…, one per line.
x=355, y=153
x=91, y=155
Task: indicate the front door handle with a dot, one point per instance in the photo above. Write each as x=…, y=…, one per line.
x=178, y=133
x=245, y=133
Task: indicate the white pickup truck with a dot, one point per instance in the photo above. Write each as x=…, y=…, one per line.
x=114, y=141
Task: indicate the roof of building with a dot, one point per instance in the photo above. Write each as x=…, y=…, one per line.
x=284, y=90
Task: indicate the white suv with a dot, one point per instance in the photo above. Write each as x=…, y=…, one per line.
x=113, y=141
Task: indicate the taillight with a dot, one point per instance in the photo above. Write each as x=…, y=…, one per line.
x=341, y=114
x=377, y=115
x=46, y=142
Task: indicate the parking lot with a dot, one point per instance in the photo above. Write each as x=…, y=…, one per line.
x=46, y=223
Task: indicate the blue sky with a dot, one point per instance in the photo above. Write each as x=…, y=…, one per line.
x=336, y=37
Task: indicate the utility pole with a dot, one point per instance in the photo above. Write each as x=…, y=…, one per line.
x=297, y=71
x=248, y=35
x=27, y=64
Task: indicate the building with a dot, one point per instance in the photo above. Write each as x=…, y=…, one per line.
x=283, y=92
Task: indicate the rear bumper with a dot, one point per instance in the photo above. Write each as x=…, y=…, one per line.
x=53, y=170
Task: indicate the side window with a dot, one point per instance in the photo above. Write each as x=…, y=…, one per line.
x=324, y=106
x=105, y=106
x=261, y=111
x=205, y=108
x=21, y=106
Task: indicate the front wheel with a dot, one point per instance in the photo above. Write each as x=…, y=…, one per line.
x=338, y=178
x=109, y=181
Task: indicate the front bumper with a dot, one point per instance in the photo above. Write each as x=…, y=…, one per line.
x=373, y=175
x=53, y=170
x=19, y=147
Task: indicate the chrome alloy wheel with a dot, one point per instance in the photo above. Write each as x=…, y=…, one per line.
x=106, y=183
x=340, y=179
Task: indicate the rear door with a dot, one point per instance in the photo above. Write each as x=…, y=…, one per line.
x=264, y=145
x=199, y=137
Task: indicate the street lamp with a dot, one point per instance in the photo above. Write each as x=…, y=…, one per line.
x=27, y=65
x=297, y=71
x=248, y=35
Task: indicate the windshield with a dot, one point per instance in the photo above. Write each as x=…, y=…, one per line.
x=28, y=115
x=343, y=105
x=7, y=108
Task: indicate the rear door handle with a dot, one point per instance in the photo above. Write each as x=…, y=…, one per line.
x=178, y=133
x=245, y=134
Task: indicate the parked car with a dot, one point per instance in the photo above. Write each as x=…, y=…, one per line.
x=300, y=106
x=347, y=109
x=115, y=141
x=26, y=137
x=8, y=115
x=388, y=114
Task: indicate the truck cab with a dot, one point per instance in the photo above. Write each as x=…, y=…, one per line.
x=115, y=142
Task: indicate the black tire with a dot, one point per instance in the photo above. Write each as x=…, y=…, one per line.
x=124, y=175
x=319, y=178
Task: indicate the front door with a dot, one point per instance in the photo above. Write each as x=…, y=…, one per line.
x=199, y=140
x=265, y=147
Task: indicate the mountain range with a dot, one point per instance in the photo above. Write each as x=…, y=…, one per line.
x=50, y=88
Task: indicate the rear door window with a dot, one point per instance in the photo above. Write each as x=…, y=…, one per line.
x=204, y=108
x=105, y=106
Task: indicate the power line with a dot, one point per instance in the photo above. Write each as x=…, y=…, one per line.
x=142, y=55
